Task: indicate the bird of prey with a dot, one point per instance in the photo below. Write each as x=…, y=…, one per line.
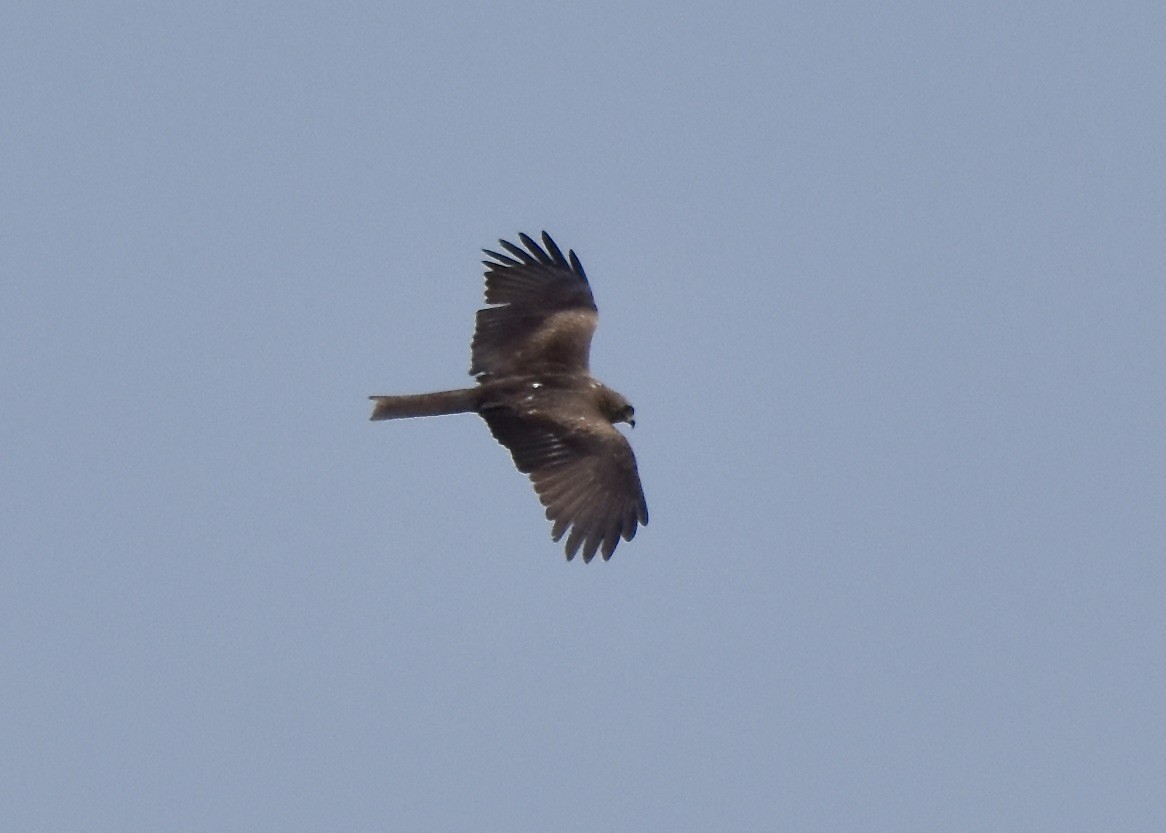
x=530, y=355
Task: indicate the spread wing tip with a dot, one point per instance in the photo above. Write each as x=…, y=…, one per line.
x=548, y=254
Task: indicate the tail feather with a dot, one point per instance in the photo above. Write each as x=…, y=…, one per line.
x=425, y=404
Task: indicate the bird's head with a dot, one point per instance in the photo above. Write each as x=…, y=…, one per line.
x=615, y=407
x=628, y=415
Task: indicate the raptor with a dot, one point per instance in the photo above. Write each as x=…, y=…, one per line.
x=531, y=358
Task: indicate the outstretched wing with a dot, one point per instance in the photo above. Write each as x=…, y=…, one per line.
x=583, y=471
x=542, y=315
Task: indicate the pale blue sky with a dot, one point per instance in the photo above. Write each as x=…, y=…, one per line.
x=885, y=282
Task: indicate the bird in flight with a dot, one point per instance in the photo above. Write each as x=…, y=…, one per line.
x=530, y=355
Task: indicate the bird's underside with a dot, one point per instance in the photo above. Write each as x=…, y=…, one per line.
x=530, y=356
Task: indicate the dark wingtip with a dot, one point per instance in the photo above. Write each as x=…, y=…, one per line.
x=576, y=265
x=503, y=260
x=515, y=250
x=551, y=255
x=554, y=251
x=535, y=249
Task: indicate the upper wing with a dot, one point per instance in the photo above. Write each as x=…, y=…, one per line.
x=543, y=315
x=584, y=473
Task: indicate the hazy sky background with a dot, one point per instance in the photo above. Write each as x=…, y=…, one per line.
x=886, y=283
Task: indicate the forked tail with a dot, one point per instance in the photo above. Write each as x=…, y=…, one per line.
x=425, y=404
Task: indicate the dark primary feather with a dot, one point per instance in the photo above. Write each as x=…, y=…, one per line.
x=536, y=276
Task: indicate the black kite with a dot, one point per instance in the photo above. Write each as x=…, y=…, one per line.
x=530, y=356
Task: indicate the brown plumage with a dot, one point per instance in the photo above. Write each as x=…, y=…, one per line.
x=530, y=355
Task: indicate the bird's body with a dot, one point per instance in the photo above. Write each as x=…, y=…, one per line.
x=530, y=355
